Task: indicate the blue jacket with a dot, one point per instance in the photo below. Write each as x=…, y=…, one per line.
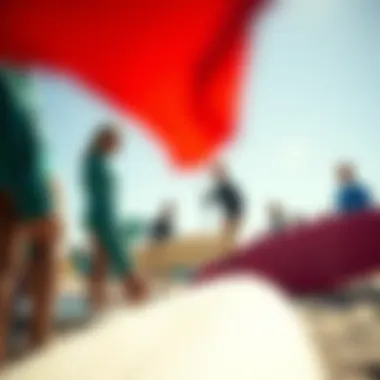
x=353, y=197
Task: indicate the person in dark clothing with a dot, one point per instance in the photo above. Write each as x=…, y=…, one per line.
x=228, y=196
x=276, y=217
x=163, y=228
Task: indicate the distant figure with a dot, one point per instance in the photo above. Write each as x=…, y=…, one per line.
x=276, y=217
x=352, y=195
x=229, y=197
x=299, y=220
x=103, y=221
x=163, y=227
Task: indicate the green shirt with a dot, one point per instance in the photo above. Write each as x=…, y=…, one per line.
x=100, y=190
x=23, y=169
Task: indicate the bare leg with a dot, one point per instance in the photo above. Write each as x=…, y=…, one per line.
x=8, y=268
x=44, y=237
x=135, y=288
x=43, y=274
x=98, y=277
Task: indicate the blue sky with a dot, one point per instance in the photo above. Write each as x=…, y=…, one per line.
x=311, y=97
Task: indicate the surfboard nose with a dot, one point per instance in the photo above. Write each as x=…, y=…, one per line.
x=236, y=328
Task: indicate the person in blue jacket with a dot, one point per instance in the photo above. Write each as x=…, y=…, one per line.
x=352, y=195
x=103, y=221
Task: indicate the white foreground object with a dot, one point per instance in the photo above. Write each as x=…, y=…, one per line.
x=235, y=329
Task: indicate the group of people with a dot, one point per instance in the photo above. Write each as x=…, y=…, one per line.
x=104, y=224
x=31, y=226
x=352, y=195
x=226, y=193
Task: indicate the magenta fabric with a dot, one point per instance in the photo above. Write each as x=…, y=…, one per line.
x=313, y=258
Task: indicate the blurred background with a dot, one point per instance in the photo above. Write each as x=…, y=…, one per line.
x=310, y=103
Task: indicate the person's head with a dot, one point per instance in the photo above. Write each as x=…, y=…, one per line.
x=345, y=172
x=219, y=171
x=108, y=138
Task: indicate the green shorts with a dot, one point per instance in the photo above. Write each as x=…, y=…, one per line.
x=111, y=240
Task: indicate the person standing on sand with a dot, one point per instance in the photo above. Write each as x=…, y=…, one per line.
x=27, y=216
x=160, y=231
x=229, y=197
x=102, y=221
x=163, y=226
x=352, y=195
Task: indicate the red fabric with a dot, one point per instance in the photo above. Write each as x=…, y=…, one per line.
x=174, y=64
x=310, y=259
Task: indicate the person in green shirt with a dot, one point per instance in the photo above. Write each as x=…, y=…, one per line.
x=102, y=219
x=27, y=217
x=132, y=231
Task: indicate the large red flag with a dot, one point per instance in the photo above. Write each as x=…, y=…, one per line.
x=174, y=64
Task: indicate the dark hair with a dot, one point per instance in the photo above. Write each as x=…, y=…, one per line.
x=105, y=130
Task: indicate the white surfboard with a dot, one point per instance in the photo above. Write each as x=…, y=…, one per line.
x=234, y=329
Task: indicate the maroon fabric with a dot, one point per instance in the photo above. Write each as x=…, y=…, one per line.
x=313, y=258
